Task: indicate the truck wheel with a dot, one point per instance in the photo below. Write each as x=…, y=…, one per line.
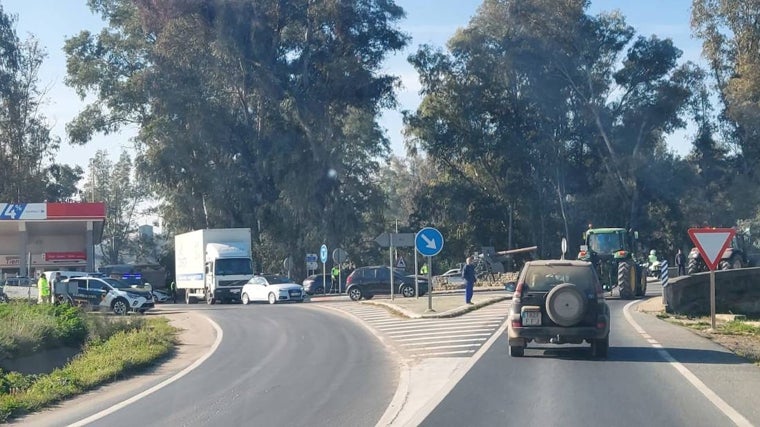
x=188, y=298
x=120, y=307
x=624, y=280
x=210, y=298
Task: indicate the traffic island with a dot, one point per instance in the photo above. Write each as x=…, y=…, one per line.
x=445, y=306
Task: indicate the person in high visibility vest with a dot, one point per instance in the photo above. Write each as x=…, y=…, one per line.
x=423, y=269
x=43, y=289
x=335, y=273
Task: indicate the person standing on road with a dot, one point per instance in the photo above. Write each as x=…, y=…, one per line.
x=43, y=289
x=335, y=273
x=173, y=291
x=468, y=274
x=681, y=263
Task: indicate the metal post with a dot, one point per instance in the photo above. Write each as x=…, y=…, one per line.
x=712, y=299
x=430, y=285
x=324, y=278
x=416, y=281
x=390, y=256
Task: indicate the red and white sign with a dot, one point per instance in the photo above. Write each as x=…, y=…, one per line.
x=712, y=242
x=65, y=256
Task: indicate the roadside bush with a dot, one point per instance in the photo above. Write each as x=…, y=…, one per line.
x=126, y=351
x=28, y=328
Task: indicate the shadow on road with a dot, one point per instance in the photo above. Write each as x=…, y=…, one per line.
x=638, y=354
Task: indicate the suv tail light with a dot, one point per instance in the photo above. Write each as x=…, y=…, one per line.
x=518, y=293
x=349, y=279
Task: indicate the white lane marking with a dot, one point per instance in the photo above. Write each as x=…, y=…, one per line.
x=404, y=340
x=443, y=353
x=719, y=403
x=425, y=334
x=441, y=347
x=438, y=328
x=159, y=386
x=412, y=344
x=454, y=378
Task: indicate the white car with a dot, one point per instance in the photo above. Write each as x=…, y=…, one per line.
x=271, y=288
x=453, y=276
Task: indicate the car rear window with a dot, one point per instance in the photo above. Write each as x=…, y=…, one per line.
x=544, y=277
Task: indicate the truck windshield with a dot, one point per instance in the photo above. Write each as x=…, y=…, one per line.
x=233, y=267
x=607, y=243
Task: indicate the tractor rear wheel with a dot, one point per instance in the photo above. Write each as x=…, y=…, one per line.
x=624, y=280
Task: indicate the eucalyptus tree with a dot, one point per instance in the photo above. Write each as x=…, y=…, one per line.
x=28, y=171
x=120, y=189
x=258, y=114
x=558, y=116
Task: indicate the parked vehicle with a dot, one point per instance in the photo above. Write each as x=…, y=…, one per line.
x=161, y=295
x=558, y=302
x=366, y=282
x=452, y=277
x=113, y=294
x=313, y=284
x=213, y=264
x=271, y=288
x=20, y=288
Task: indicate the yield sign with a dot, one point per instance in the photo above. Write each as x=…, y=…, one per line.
x=711, y=242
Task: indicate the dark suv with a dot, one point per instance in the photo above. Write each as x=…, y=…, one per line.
x=559, y=302
x=366, y=282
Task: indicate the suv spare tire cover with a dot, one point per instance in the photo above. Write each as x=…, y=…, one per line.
x=565, y=304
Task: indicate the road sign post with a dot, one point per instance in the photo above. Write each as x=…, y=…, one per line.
x=323, y=258
x=711, y=243
x=339, y=257
x=429, y=242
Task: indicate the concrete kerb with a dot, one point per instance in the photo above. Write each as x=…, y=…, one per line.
x=446, y=314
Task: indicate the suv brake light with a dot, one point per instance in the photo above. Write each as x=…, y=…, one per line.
x=349, y=279
x=518, y=293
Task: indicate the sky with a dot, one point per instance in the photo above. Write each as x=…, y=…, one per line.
x=430, y=22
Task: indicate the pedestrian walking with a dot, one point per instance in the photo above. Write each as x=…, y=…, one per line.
x=469, y=276
x=681, y=263
x=56, y=285
x=43, y=289
x=173, y=291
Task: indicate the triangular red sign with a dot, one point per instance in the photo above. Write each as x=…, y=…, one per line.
x=712, y=242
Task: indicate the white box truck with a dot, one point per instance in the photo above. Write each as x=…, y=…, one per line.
x=213, y=264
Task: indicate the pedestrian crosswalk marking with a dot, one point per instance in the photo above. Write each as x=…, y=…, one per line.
x=432, y=337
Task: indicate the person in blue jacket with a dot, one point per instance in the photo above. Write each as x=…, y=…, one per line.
x=469, y=276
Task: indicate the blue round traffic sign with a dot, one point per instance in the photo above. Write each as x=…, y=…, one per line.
x=428, y=241
x=323, y=254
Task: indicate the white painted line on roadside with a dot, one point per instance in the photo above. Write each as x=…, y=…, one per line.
x=159, y=386
x=442, y=347
x=719, y=403
x=425, y=334
x=444, y=353
x=456, y=376
x=438, y=328
x=425, y=338
x=651, y=341
x=435, y=341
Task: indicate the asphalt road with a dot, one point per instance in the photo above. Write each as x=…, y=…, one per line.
x=276, y=366
x=562, y=385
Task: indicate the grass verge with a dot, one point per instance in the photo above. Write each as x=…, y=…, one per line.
x=741, y=337
x=103, y=360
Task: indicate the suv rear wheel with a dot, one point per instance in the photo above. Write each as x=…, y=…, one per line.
x=565, y=305
x=599, y=347
x=516, y=351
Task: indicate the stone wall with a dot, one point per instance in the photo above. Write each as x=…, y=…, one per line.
x=736, y=291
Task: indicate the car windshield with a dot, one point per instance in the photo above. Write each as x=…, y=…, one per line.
x=117, y=283
x=543, y=278
x=276, y=280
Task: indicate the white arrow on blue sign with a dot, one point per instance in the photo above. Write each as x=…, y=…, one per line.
x=323, y=254
x=428, y=241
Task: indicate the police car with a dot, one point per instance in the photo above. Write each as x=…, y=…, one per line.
x=112, y=294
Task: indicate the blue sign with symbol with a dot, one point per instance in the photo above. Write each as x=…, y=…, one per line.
x=323, y=254
x=428, y=241
x=12, y=211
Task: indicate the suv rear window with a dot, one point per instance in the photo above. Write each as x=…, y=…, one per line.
x=542, y=278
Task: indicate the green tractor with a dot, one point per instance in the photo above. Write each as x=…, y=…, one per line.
x=612, y=251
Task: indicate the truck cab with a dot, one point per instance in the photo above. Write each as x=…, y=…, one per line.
x=227, y=269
